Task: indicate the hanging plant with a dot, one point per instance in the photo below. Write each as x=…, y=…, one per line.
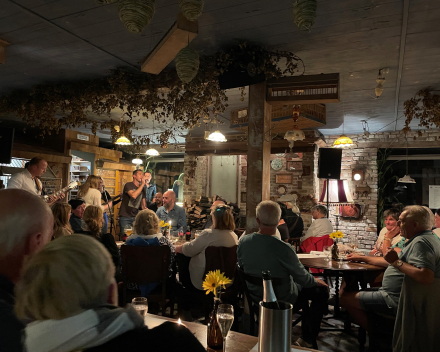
x=304, y=14
x=191, y=9
x=136, y=14
x=103, y=2
x=187, y=64
x=424, y=107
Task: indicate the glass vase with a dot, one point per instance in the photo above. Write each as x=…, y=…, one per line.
x=214, y=335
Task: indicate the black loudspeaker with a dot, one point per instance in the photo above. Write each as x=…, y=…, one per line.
x=329, y=163
x=6, y=142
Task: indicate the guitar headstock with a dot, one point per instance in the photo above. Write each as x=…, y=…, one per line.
x=72, y=185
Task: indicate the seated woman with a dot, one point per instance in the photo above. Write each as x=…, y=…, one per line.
x=220, y=235
x=389, y=235
x=69, y=293
x=93, y=220
x=61, y=216
x=321, y=225
x=282, y=226
x=147, y=233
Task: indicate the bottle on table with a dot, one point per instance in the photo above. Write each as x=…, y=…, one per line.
x=181, y=233
x=188, y=234
x=269, y=298
x=214, y=334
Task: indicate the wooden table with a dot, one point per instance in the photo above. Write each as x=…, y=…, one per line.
x=236, y=342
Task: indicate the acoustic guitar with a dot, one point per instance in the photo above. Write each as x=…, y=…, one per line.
x=71, y=186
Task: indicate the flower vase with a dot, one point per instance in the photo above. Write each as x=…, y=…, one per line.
x=214, y=335
x=335, y=252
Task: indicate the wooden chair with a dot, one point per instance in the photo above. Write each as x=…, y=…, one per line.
x=253, y=307
x=145, y=265
x=295, y=243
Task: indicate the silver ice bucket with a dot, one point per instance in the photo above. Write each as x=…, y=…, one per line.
x=275, y=328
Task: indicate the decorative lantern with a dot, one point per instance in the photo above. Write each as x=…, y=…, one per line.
x=191, y=9
x=187, y=64
x=136, y=14
x=294, y=135
x=304, y=14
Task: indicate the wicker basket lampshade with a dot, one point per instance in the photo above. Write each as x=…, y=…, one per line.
x=136, y=14
x=103, y=2
x=191, y=9
x=187, y=64
x=304, y=14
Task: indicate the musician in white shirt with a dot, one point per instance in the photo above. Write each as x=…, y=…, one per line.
x=28, y=179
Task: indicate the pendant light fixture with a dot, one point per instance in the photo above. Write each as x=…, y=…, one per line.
x=137, y=161
x=217, y=136
x=407, y=178
x=343, y=141
x=151, y=151
x=123, y=141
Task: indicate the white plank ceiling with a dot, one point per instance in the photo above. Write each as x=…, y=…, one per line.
x=65, y=40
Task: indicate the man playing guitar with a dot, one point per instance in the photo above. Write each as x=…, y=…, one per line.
x=29, y=179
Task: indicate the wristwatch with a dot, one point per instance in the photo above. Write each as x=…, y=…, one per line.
x=397, y=264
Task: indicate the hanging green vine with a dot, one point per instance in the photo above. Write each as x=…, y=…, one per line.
x=425, y=107
x=175, y=106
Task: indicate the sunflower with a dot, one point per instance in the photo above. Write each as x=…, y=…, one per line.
x=215, y=280
x=163, y=224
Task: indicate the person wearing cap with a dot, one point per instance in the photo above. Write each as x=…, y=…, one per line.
x=78, y=207
x=293, y=220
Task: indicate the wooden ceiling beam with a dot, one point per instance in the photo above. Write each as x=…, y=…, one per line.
x=181, y=33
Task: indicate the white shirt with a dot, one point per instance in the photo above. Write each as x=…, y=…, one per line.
x=318, y=228
x=196, y=250
x=23, y=180
x=92, y=197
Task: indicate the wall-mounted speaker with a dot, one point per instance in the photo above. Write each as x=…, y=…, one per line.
x=6, y=142
x=329, y=163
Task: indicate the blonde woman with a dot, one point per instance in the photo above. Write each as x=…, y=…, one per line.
x=93, y=220
x=220, y=235
x=61, y=216
x=90, y=192
x=69, y=293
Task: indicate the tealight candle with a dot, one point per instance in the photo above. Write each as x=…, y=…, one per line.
x=180, y=322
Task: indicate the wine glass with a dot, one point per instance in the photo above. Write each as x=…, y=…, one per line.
x=342, y=254
x=141, y=305
x=327, y=252
x=225, y=318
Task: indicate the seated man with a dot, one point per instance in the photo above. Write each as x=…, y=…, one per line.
x=78, y=208
x=321, y=226
x=69, y=292
x=261, y=251
x=419, y=259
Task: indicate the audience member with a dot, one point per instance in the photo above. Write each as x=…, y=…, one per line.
x=293, y=218
x=149, y=189
x=282, y=226
x=26, y=225
x=208, y=222
x=261, y=251
x=69, y=292
x=131, y=200
x=419, y=259
x=321, y=226
x=78, y=206
x=172, y=212
x=30, y=179
x=61, y=215
x=147, y=233
x=390, y=235
x=93, y=220
x=156, y=203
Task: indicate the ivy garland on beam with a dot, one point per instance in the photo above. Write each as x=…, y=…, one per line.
x=141, y=96
x=425, y=107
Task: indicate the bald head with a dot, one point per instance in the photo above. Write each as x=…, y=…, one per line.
x=26, y=222
x=169, y=198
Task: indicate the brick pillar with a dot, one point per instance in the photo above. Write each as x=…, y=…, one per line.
x=258, y=155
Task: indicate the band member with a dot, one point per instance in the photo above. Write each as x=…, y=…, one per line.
x=29, y=179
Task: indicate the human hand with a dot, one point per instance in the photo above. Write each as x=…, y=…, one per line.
x=373, y=252
x=355, y=257
x=320, y=282
x=393, y=233
x=391, y=256
x=178, y=249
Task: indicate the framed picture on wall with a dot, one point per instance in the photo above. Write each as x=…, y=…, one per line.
x=283, y=178
x=293, y=165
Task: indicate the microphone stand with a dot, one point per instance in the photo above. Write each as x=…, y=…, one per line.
x=109, y=208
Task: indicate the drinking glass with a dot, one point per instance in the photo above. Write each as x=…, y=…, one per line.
x=327, y=252
x=198, y=232
x=141, y=305
x=225, y=318
x=342, y=254
x=128, y=230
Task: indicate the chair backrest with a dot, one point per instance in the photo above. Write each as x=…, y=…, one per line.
x=144, y=265
x=221, y=258
x=316, y=243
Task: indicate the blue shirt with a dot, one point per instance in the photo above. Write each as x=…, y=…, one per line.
x=177, y=216
x=150, y=192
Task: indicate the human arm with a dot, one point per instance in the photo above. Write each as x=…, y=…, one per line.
x=193, y=248
x=135, y=193
x=295, y=268
x=388, y=239
x=144, y=203
x=423, y=262
x=379, y=261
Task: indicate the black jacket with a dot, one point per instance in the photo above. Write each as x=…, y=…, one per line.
x=163, y=338
x=10, y=327
x=290, y=219
x=108, y=241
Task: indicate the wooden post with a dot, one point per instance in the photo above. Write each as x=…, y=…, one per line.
x=258, y=153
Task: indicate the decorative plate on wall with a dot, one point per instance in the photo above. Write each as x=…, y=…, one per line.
x=282, y=190
x=276, y=164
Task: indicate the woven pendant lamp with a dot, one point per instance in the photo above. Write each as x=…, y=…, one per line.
x=136, y=14
x=187, y=64
x=191, y=9
x=304, y=14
